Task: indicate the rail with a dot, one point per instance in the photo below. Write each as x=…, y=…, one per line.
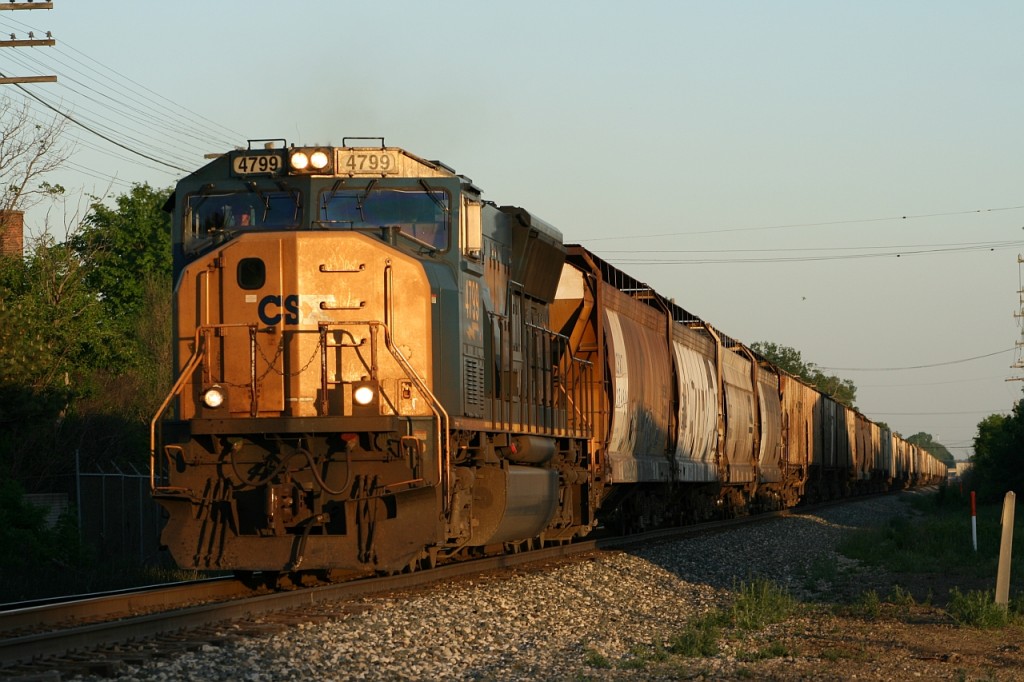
x=37, y=638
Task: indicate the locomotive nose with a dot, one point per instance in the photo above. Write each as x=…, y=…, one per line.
x=310, y=325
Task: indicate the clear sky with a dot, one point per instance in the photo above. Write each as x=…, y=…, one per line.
x=842, y=178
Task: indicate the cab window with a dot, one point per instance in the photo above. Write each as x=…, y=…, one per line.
x=213, y=218
x=419, y=214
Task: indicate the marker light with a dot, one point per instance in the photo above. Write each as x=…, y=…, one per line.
x=214, y=397
x=318, y=160
x=299, y=160
x=363, y=395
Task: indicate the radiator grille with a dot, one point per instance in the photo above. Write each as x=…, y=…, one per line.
x=474, y=387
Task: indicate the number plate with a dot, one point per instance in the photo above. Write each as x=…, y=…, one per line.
x=263, y=163
x=368, y=162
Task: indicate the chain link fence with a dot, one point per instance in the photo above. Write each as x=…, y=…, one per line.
x=117, y=517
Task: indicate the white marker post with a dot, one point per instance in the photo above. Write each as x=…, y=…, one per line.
x=974, y=521
x=1005, y=551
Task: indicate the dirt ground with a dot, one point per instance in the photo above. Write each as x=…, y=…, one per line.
x=905, y=643
x=912, y=639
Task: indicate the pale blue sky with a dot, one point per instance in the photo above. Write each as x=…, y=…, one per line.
x=737, y=130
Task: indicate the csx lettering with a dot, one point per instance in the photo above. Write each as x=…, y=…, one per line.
x=270, y=309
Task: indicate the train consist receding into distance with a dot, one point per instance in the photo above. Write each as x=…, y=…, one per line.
x=378, y=370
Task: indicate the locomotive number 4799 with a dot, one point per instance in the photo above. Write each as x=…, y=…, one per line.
x=264, y=163
x=368, y=161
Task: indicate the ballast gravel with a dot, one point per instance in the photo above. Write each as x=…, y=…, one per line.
x=573, y=620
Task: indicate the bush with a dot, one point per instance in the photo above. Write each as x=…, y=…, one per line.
x=869, y=605
x=26, y=543
x=977, y=609
x=697, y=639
x=760, y=603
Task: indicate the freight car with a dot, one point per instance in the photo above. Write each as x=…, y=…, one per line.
x=378, y=370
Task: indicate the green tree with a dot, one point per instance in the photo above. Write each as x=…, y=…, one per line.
x=123, y=245
x=999, y=454
x=85, y=341
x=841, y=390
x=52, y=331
x=785, y=357
x=926, y=442
x=126, y=250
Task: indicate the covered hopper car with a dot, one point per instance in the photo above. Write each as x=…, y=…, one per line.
x=377, y=370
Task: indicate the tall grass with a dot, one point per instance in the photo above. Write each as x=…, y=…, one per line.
x=758, y=603
x=938, y=540
x=977, y=609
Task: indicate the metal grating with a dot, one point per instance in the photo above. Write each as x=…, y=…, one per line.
x=473, y=387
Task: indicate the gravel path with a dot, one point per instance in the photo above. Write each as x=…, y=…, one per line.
x=573, y=621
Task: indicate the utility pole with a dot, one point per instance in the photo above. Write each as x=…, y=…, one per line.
x=31, y=41
x=1019, y=363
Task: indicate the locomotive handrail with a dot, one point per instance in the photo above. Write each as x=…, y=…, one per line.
x=584, y=412
x=190, y=367
x=443, y=455
x=563, y=387
x=186, y=372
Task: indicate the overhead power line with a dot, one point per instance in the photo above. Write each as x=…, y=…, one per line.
x=127, y=120
x=95, y=132
x=936, y=414
x=116, y=102
x=894, y=251
x=895, y=369
x=824, y=248
x=933, y=383
x=785, y=226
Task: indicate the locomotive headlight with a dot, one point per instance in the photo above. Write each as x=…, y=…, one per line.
x=214, y=397
x=299, y=161
x=363, y=395
x=319, y=160
x=311, y=160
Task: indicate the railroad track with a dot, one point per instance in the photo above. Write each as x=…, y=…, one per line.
x=96, y=635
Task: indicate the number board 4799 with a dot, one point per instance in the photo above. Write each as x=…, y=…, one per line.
x=256, y=163
x=367, y=162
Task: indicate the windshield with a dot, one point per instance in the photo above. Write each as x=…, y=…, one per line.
x=419, y=214
x=213, y=217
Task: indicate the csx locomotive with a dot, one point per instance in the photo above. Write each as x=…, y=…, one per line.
x=378, y=370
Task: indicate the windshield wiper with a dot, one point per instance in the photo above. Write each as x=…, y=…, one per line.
x=430, y=193
x=363, y=197
x=262, y=197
